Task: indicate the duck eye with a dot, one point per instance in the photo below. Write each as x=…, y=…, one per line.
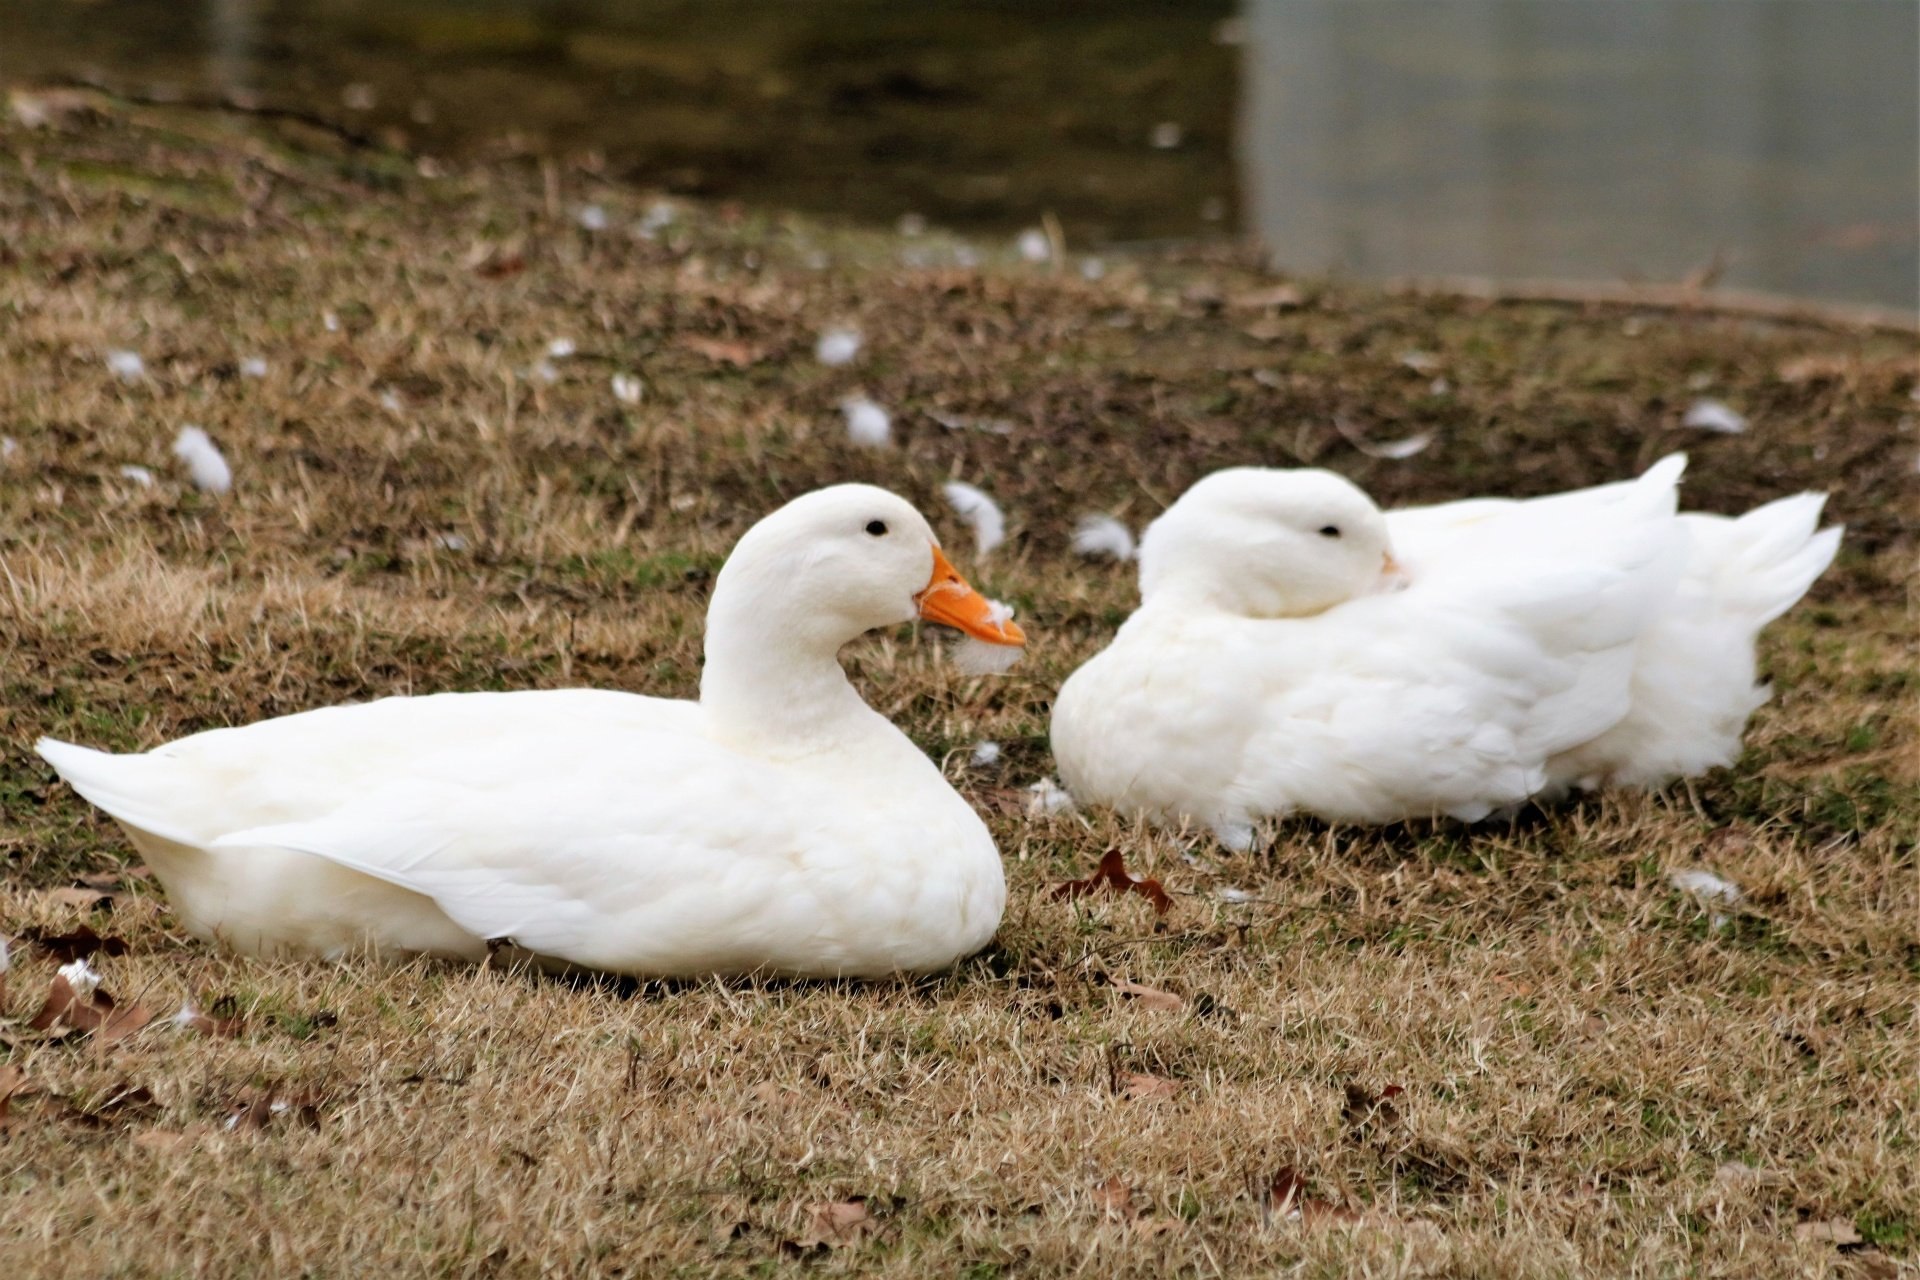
x=878, y=528
x=1330, y=531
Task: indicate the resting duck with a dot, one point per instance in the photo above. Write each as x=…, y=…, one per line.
x=776, y=825
x=1296, y=649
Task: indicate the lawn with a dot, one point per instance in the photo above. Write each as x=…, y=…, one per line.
x=1513, y=1049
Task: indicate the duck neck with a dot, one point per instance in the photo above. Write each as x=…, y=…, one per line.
x=771, y=687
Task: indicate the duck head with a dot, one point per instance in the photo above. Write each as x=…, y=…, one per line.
x=1262, y=543
x=836, y=563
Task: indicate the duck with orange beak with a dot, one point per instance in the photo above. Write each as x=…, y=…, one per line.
x=776, y=824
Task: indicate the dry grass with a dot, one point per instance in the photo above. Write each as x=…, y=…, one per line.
x=1594, y=1078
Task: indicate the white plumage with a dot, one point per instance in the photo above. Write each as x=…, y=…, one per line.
x=1098, y=536
x=1296, y=649
x=980, y=511
x=837, y=347
x=868, y=425
x=777, y=824
x=206, y=466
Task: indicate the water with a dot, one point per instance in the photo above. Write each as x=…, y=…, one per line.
x=1775, y=143
x=1772, y=144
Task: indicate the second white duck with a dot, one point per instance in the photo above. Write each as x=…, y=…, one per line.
x=777, y=825
x=1296, y=649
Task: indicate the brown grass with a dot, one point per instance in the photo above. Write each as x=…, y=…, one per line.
x=1593, y=1078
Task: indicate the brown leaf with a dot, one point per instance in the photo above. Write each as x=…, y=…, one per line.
x=724, y=351
x=1838, y=1232
x=1112, y=874
x=97, y=1012
x=1141, y=1087
x=1279, y=297
x=1366, y=1111
x=86, y=898
x=60, y=998
x=1286, y=1196
x=1816, y=368
x=13, y=1084
x=257, y=1109
x=80, y=944
x=162, y=1141
x=192, y=1018
x=1114, y=1198
x=115, y=882
x=1150, y=997
x=836, y=1222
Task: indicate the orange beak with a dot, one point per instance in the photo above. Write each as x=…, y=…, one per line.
x=951, y=602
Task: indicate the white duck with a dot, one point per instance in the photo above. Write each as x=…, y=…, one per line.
x=777, y=825
x=1296, y=649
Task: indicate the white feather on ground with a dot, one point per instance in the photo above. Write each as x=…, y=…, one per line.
x=1709, y=890
x=1034, y=245
x=560, y=348
x=983, y=658
x=1095, y=536
x=253, y=367
x=9, y=447
x=138, y=474
x=627, y=388
x=868, y=425
x=1048, y=797
x=973, y=505
x=206, y=466
x=591, y=217
x=81, y=977
x=1705, y=885
x=984, y=754
x=126, y=365
x=837, y=346
x=659, y=216
x=1715, y=415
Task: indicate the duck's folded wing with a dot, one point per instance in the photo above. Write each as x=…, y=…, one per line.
x=1451, y=696
x=576, y=866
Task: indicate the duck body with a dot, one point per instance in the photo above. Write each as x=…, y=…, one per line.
x=778, y=825
x=1297, y=650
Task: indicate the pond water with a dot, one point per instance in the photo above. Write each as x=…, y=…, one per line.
x=1770, y=142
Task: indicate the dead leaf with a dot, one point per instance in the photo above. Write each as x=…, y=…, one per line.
x=724, y=351
x=52, y=107
x=115, y=882
x=833, y=1223
x=162, y=1141
x=1150, y=997
x=1141, y=1087
x=1148, y=1228
x=192, y=1018
x=1838, y=1232
x=81, y=943
x=1287, y=1197
x=1280, y=297
x=13, y=1084
x=1114, y=1198
x=86, y=898
x=1112, y=874
x=1816, y=368
x=1367, y=1112
x=257, y=1109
